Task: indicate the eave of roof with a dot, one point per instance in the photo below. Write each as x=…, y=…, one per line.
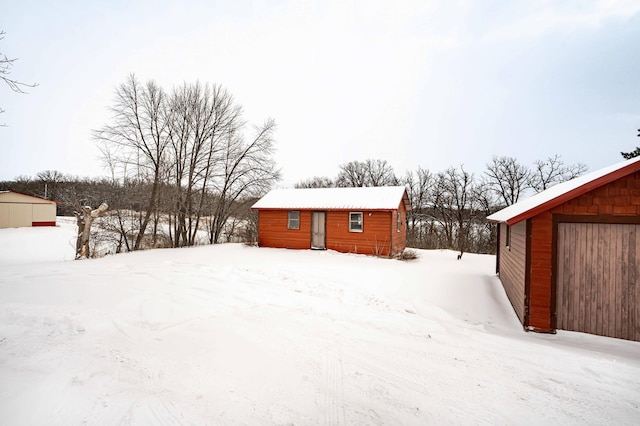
x=563, y=192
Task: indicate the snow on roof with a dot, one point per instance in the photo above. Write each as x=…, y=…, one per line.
x=564, y=192
x=370, y=198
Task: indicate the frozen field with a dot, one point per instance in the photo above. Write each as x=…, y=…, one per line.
x=230, y=334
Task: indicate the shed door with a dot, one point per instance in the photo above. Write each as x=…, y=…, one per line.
x=318, y=230
x=598, y=279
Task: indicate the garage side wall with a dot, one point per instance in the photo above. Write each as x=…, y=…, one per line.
x=15, y=215
x=512, y=265
x=44, y=214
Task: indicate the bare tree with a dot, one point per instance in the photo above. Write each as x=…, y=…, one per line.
x=380, y=173
x=189, y=149
x=201, y=117
x=419, y=186
x=368, y=173
x=316, y=182
x=352, y=174
x=246, y=170
x=443, y=223
x=51, y=180
x=138, y=135
x=5, y=71
x=459, y=185
x=507, y=179
x=483, y=233
x=552, y=171
x=85, y=217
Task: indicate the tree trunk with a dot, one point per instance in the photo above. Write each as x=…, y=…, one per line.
x=85, y=219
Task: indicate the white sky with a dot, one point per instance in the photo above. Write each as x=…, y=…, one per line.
x=429, y=83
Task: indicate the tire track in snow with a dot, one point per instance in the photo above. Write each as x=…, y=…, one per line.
x=394, y=384
x=138, y=366
x=334, y=412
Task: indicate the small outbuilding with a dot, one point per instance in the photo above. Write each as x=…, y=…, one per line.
x=21, y=210
x=569, y=257
x=368, y=220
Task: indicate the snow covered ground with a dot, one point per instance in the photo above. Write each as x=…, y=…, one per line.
x=230, y=334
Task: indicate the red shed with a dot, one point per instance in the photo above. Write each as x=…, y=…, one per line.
x=350, y=220
x=569, y=257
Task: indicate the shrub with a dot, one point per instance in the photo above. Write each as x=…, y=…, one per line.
x=408, y=254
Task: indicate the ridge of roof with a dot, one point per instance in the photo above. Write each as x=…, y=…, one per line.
x=563, y=192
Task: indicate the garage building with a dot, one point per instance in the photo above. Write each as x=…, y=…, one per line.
x=21, y=210
x=569, y=257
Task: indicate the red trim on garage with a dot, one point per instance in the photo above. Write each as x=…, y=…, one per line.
x=43, y=223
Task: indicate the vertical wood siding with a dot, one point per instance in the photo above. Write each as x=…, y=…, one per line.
x=598, y=272
x=512, y=265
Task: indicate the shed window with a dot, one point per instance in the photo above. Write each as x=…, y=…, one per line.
x=294, y=219
x=399, y=222
x=355, y=222
x=508, y=238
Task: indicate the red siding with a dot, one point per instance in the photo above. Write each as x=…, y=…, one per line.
x=273, y=232
x=374, y=238
x=379, y=236
x=621, y=197
x=398, y=239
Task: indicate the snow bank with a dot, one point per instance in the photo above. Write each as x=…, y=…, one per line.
x=231, y=334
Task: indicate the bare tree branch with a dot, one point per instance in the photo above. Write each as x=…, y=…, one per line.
x=507, y=178
x=5, y=71
x=552, y=171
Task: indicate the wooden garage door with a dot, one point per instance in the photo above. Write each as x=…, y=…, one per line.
x=597, y=279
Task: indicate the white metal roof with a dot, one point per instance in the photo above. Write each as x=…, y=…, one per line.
x=563, y=192
x=369, y=198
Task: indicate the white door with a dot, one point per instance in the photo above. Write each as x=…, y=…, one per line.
x=318, y=230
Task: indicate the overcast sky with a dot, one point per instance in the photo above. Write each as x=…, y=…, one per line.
x=417, y=83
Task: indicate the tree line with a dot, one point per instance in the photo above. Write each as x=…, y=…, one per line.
x=449, y=208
